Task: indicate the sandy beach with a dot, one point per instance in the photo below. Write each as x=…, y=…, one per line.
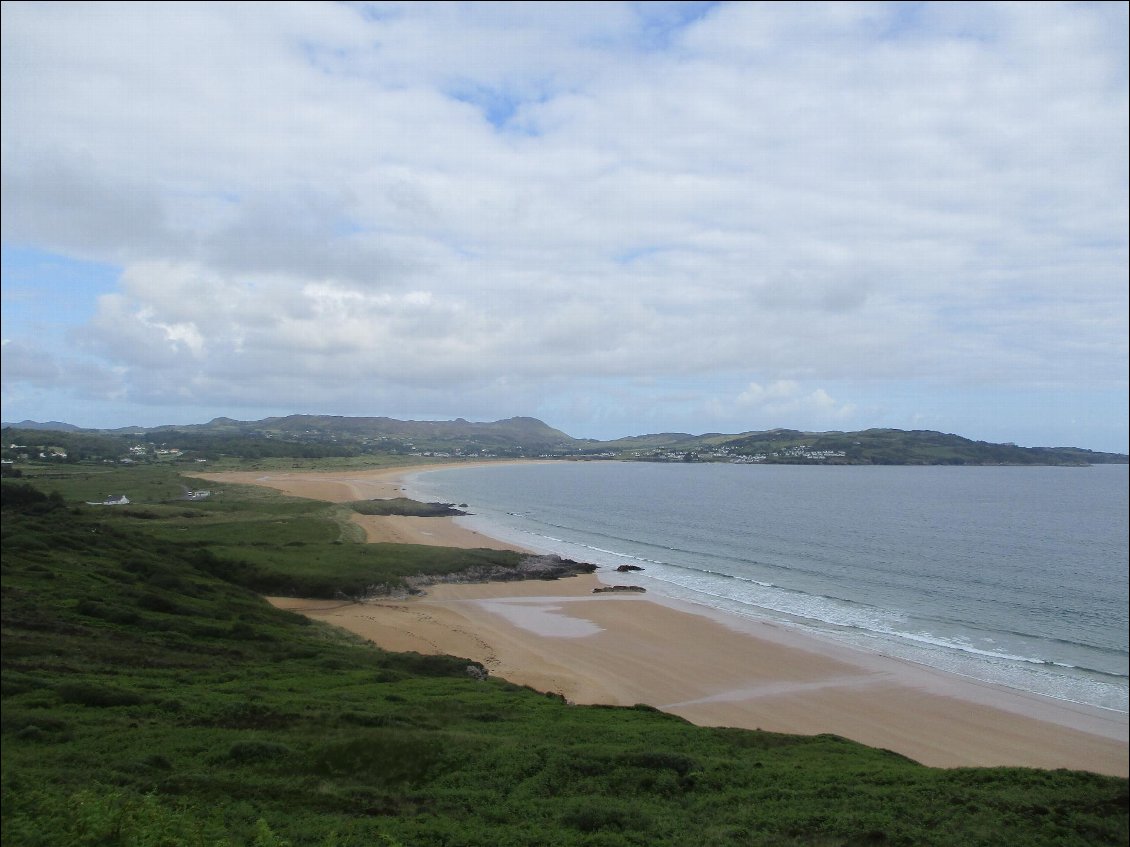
x=712, y=669
x=383, y=484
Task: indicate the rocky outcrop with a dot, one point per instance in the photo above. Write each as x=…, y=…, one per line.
x=406, y=507
x=531, y=567
x=606, y=589
x=628, y=568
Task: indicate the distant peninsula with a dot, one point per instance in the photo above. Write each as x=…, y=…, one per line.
x=328, y=436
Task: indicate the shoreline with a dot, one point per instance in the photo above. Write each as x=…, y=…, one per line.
x=708, y=667
x=379, y=483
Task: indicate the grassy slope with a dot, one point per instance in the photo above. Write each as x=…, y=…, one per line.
x=148, y=700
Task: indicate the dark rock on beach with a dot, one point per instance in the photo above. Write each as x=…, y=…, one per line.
x=612, y=589
x=531, y=567
x=406, y=507
x=628, y=568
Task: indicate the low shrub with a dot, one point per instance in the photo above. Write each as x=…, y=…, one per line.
x=98, y=696
x=257, y=751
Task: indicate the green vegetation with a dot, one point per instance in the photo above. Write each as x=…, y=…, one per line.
x=263, y=540
x=900, y=447
x=328, y=441
x=869, y=447
x=405, y=506
x=295, y=437
x=151, y=698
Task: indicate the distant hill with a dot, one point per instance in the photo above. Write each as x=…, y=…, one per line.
x=529, y=434
x=901, y=447
x=867, y=447
x=321, y=436
x=56, y=426
x=298, y=436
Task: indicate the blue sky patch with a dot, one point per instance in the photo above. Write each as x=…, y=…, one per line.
x=42, y=288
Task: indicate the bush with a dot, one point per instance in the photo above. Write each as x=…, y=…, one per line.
x=27, y=499
x=106, y=612
x=257, y=751
x=99, y=696
x=393, y=757
x=677, y=762
x=159, y=603
x=597, y=817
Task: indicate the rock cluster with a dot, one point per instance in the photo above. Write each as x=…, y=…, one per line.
x=531, y=567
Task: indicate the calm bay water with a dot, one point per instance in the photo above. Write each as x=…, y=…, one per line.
x=1016, y=576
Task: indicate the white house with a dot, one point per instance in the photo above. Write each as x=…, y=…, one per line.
x=112, y=500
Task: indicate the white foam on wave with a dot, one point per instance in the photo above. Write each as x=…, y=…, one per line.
x=876, y=630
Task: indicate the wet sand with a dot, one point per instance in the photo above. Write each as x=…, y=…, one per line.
x=710, y=668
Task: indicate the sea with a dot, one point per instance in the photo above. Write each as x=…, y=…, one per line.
x=1015, y=576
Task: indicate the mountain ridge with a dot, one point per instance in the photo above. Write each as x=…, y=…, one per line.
x=314, y=436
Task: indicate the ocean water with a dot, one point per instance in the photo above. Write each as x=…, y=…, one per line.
x=1016, y=576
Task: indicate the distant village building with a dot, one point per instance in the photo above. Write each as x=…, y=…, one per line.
x=112, y=500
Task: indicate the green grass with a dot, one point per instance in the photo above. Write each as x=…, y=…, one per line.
x=143, y=484
x=264, y=540
x=404, y=506
x=149, y=699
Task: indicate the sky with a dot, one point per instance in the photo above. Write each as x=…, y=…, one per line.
x=620, y=218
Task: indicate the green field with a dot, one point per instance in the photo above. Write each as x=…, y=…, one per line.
x=151, y=697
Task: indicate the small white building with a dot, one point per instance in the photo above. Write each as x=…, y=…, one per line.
x=112, y=500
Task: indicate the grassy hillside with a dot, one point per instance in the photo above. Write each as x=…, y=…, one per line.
x=300, y=440
x=150, y=698
x=902, y=447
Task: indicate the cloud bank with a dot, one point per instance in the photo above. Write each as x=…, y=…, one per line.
x=730, y=216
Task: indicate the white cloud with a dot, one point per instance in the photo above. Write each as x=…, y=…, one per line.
x=422, y=201
x=786, y=399
x=29, y=364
